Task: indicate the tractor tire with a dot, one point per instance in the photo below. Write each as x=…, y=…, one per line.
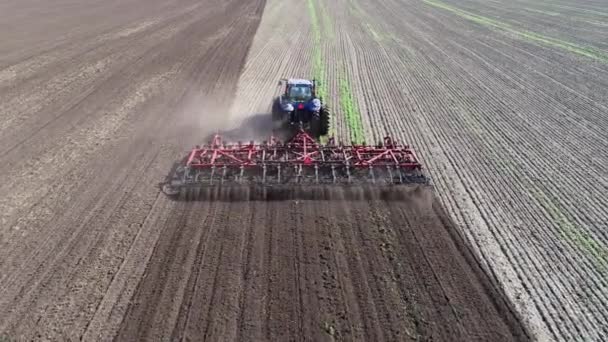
x=315, y=127
x=325, y=119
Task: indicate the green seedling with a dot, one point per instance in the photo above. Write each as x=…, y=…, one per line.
x=531, y=36
x=574, y=235
x=351, y=110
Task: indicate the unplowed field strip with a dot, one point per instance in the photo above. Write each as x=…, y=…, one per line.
x=316, y=270
x=505, y=103
x=504, y=122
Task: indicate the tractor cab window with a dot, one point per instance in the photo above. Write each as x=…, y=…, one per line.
x=300, y=92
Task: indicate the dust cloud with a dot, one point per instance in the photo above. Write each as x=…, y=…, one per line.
x=201, y=116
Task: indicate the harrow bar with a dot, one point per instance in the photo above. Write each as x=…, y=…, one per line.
x=300, y=160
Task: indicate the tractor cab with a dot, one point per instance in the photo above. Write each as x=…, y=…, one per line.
x=299, y=90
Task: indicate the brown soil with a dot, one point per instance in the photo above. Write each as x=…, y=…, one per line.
x=316, y=270
x=98, y=100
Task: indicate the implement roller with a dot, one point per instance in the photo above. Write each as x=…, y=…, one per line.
x=298, y=168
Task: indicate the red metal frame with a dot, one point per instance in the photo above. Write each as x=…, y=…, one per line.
x=302, y=149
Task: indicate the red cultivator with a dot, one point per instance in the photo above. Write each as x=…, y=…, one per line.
x=300, y=161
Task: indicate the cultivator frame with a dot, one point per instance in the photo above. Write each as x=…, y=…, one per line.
x=299, y=161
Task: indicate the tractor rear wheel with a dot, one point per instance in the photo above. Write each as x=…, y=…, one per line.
x=315, y=126
x=325, y=119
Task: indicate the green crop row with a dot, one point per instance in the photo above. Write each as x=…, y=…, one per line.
x=351, y=110
x=532, y=36
x=318, y=67
x=572, y=234
x=347, y=100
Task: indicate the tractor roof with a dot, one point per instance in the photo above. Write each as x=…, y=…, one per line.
x=293, y=81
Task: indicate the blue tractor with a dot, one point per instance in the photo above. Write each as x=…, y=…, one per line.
x=299, y=107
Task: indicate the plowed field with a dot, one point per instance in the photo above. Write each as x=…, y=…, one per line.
x=98, y=99
x=505, y=102
x=313, y=271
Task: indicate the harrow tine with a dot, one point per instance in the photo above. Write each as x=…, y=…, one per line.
x=371, y=173
x=333, y=173
x=197, y=177
x=186, y=172
x=348, y=171
x=390, y=174
x=316, y=173
x=224, y=170
x=264, y=174
x=298, y=169
x=212, y=173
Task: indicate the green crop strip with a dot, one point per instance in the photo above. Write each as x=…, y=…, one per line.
x=347, y=100
x=318, y=67
x=574, y=235
x=567, y=229
x=571, y=47
x=328, y=30
x=351, y=109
